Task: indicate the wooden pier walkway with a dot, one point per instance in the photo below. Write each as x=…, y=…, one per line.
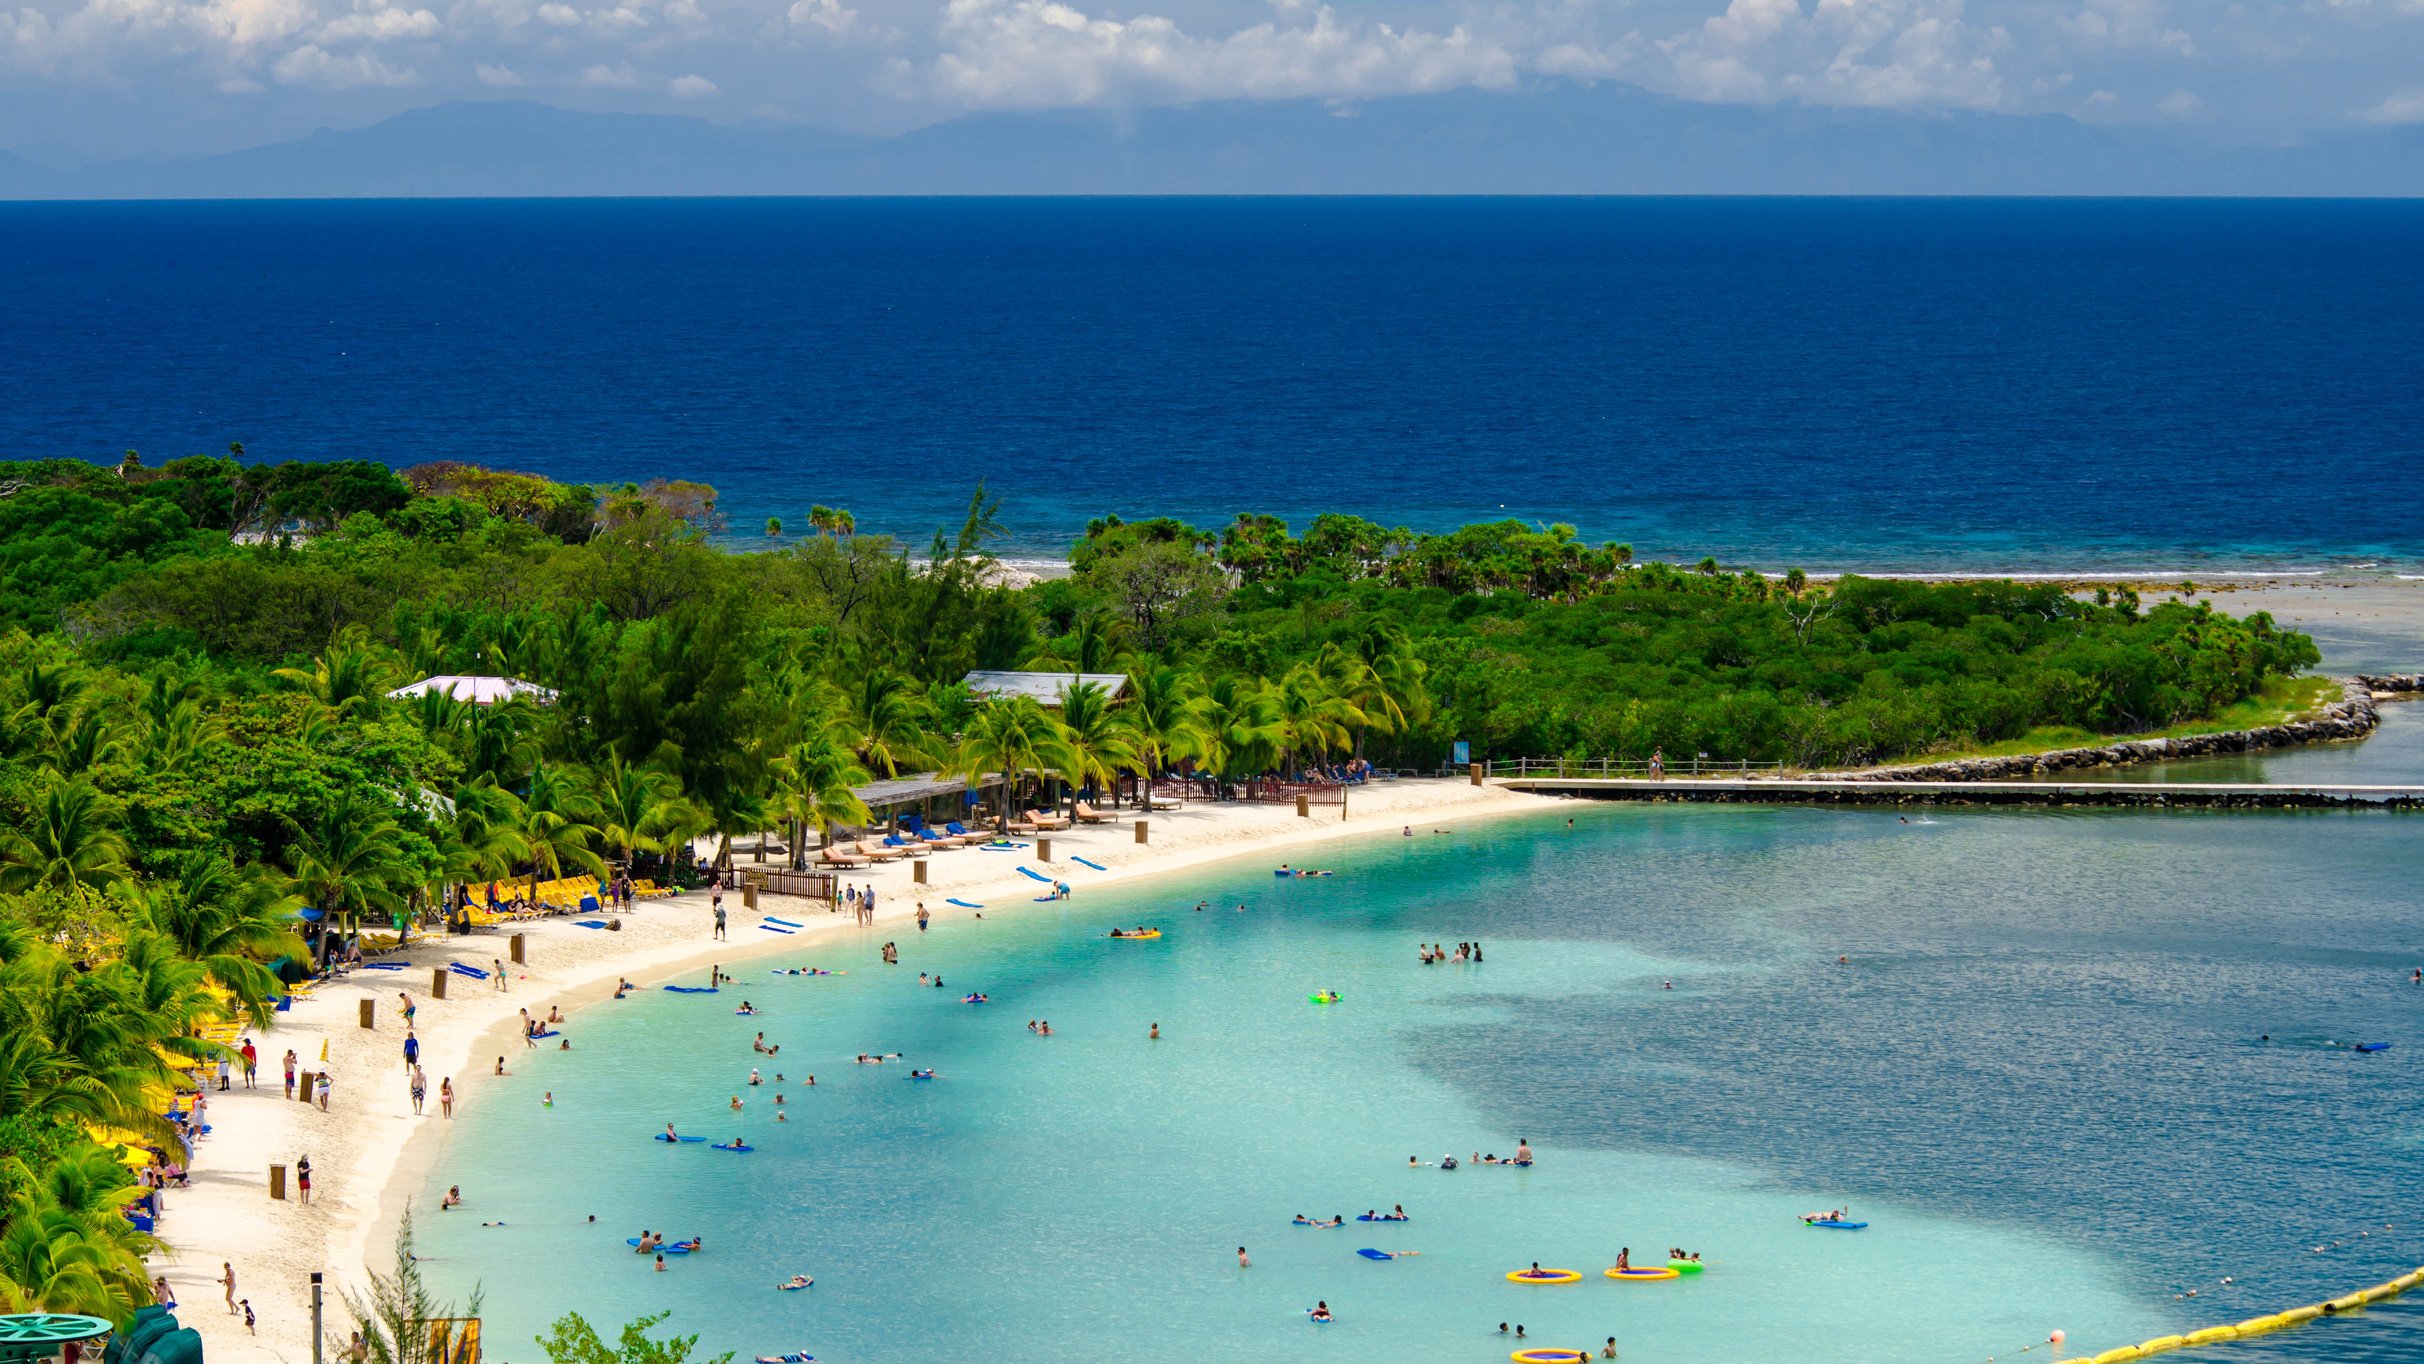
x=2190, y=795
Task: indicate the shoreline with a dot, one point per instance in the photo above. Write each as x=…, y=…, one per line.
x=371, y=1155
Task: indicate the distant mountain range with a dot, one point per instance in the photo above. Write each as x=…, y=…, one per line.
x=1547, y=139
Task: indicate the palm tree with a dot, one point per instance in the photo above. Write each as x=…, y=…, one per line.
x=351, y=675
x=1313, y=719
x=890, y=721
x=1161, y=716
x=67, y=845
x=1011, y=735
x=1097, y=737
x=815, y=783
x=1381, y=678
x=557, y=826
x=226, y=921
x=1240, y=726
x=633, y=806
x=345, y=861
x=1096, y=643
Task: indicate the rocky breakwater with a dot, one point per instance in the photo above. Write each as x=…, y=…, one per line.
x=2392, y=686
x=2351, y=717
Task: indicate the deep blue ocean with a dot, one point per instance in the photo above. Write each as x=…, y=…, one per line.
x=2004, y=384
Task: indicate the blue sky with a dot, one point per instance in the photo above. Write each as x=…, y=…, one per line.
x=85, y=78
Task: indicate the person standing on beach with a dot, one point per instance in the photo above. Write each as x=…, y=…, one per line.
x=922, y=916
x=446, y=1098
x=412, y=1049
x=225, y=1070
x=227, y=1280
x=290, y=1072
x=497, y=972
x=408, y=1008
x=420, y=1088
x=718, y=902
x=303, y=1180
x=252, y=1059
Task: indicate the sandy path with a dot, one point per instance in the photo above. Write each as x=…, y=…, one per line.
x=369, y=1149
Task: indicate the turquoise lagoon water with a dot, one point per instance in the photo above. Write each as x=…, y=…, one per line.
x=2038, y=1078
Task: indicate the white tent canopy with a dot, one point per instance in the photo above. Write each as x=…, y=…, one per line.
x=477, y=691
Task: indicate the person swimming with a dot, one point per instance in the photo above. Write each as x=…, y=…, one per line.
x=753, y=1076
x=1319, y=1311
x=796, y=1281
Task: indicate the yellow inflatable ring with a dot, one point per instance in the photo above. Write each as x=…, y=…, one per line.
x=1645, y=1273
x=1543, y=1276
x=1551, y=1356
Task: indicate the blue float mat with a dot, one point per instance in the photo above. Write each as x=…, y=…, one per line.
x=383, y=966
x=1370, y=1254
x=548, y=1033
x=662, y=1137
x=1033, y=874
x=461, y=970
x=787, y=923
x=964, y=904
x=589, y=923
x=1084, y=863
x=691, y=989
x=772, y=929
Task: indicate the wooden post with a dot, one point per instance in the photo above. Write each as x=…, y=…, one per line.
x=1304, y=806
x=1043, y=850
x=370, y=1009
x=917, y=871
x=303, y=1085
x=437, y=982
x=1478, y=769
x=1140, y=831
x=749, y=897
x=277, y=1183
x=513, y=948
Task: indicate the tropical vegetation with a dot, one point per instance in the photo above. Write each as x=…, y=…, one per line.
x=199, y=741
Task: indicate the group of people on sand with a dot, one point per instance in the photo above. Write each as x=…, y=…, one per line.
x=1435, y=952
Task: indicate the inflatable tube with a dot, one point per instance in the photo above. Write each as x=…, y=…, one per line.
x=662, y=1137
x=2380, y=1291
x=1084, y=863
x=787, y=923
x=2212, y=1335
x=792, y=1287
x=1551, y=1356
x=1133, y=937
x=1033, y=875
x=1323, y=999
x=1383, y=1217
x=2120, y=1356
x=2159, y=1344
x=1283, y=872
x=772, y=929
x=1838, y=1226
x=544, y=1032
x=1644, y=1274
x=669, y=1249
x=2373, y=1046
x=964, y=904
x=1543, y=1276
x=2346, y=1303
x=743, y=1148
x=2256, y=1326
x=2298, y=1315
x=690, y=989
x=1686, y=1266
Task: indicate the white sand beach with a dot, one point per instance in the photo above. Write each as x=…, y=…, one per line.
x=369, y=1150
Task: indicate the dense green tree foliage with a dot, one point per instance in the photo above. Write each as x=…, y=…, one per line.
x=197, y=736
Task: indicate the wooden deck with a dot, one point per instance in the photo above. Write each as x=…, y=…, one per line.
x=1837, y=790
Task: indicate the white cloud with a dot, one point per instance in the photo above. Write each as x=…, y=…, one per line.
x=830, y=15
x=1883, y=53
x=240, y=85
x=2179, y=104
x=314, y=67
x=559, y=16
x=691, y=87
x=2407, y=106
x=496, y=77
x=619, y=76
x=384, y=25
x=1047, y=54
